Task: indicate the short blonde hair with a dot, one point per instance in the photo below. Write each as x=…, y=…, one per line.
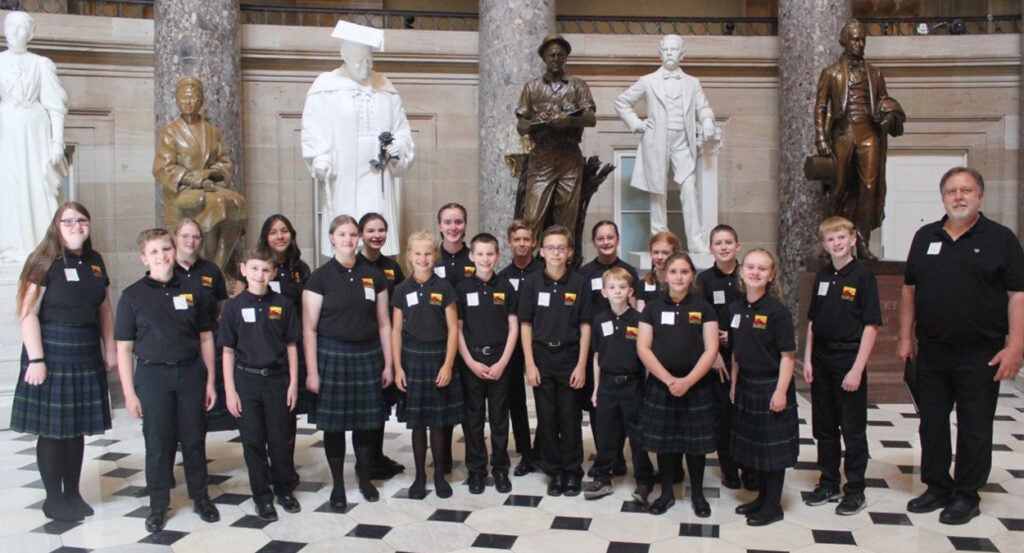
x=834, y=224
x=617, y=273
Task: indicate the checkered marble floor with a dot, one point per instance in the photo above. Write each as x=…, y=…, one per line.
x=525, y=520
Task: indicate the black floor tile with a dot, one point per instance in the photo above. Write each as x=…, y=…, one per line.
x=122, y=473
x=27, y=451
x=102, y=442
x=369, y=531
x=806, y=441
x=973, y=544
x=875, y=483
x=141, y=512
x=698, y=530
x=709, y=493
x=571, y=523
x=494, y=541
x=993, y=488
x=1019, y=437
x=806, y=465
x=627, y=547
x=404, y=493
x=880, y=423
x=30, y=467
x=217, y=479
x=111, y=456
x=909, y=469
x=1013, y=524
x=306, y=431
x=251, y=521
x=891, y=519
x=633, y=507
x=326, y=508
x=25, y=438
x=306, y=486
x=1016, y=473
x=448, y=515
x=35, y=485
x=276, y=546
x=896, y=444
x=231, y=498
x=833, y=537
x=67, y=549
x=1001, y=447
x=910, y=415
x=1004, y=418
x=132, y=491
x=163, y=537
x=55, y=527
x=523, y=500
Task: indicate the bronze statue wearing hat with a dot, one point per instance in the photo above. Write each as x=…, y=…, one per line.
x=553, y=110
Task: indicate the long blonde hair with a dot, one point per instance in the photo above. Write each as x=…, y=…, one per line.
x=773, y=288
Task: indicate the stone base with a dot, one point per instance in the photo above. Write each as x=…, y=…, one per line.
x=885, y=368
x=10, y=341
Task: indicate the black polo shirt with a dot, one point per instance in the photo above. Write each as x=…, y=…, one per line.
x=515, y=276
x=678, y=330
x=649, y=291
x=423, y=308
x=759, y=333
x=592, y=272
x=349, y=310
x=289, y=280
x=720, y=289
x=259, y=329
x=960, y=295
x=454, y=267
x=484, y=308
x=555, y=308
x=388, y=267
x=843, y=302
x=207, y=275
x=614, y=341
x=164, y=319
x=75, y=289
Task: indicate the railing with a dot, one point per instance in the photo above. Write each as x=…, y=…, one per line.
x=467, y=21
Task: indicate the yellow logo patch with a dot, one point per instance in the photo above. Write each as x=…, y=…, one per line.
x=389, y=274
x=97, y=271
x=570, y=299
x=436, y=298
x=849, y=293
x=632, y=332
x=469, y=270
x=695, y=317
x=188, y=299
x=275, y=312
x=499, y=298
x=207, y=281
x=367, y=283
x=761, y=321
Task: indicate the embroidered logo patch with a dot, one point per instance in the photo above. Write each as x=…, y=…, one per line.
x=499, y=298
x=761, y=321
x=97, y=271
x=694, y=317
x=570, y=299
x=389, y=274
x=188, y=299
x=469, y=270
x=367, y=283
x=207, y=281
x=632, y=332
x=275, y=312
x=297, y=276
x=849, y=293
x=436, y=298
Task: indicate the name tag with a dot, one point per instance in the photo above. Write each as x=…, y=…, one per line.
x=180, y=303
x=249, y=314
x=369, y=294
x=543, y=299
x=822, y=288
x=735, y=321
x=668, y=318
x=439, y=271
x=718, y=296
x=71, y=274
x=275, y=286
x=412, y=299
x=595, y=283
x=515, y=283
x=473, y=300
x=934, y=247
x=607, y=328
x=648, y=287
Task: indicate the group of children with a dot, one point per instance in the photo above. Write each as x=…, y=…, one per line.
x=458, y=338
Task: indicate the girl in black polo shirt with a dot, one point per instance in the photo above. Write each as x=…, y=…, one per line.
x=346, y=333
x=678, y=342
x=425, y=338
x=61, y=394
x=660, y=247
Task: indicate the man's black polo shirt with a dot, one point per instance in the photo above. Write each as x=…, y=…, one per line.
x=164, y=319
x=515, y=276
x=615, y=342
x=720, y=289
x=555, y=308
x=843, y=302
x=259, y=329
x=349, y=310
x=484, y=308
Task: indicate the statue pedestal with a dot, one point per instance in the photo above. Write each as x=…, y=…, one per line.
x=10, y=341
x=885, y=368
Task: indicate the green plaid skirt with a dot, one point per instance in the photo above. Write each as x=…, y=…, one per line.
x=350, y=385
x=425, y=403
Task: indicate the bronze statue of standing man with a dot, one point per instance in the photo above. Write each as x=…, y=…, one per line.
x=853, y=114
x=553, y=110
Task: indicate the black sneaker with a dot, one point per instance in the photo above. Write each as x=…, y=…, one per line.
x=821, y=495
x=596, y=489
x=851, y=504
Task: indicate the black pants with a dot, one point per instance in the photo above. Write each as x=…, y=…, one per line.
x=618, y=418
x=173, y=412
x=516, y=371
x=267, y=430
x=559, y=434
x=959, y=377
x=476, y=392
x=837, y=414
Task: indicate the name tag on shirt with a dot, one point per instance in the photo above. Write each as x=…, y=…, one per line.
x=515, y=283
x=412, y=299
x=369, y=294
x=934, y=248
x=180, y=303
x=718, y=296
x=473, y=299
x=648, y=287
x=71, y=274
x=735, y=321
x=607, y=328
x=668, y=318
x=595, y=283
x=439, y=271
x=543, y=299
x=275, y=286
x=249, y=314
x=822, y=288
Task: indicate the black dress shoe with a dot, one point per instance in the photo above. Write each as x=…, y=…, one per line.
x=289, y=503
x=207, y=510
x=418, y=489
x=369, y=492
x=502, y=483
x=476, y=483
x=156, y=520
x=78, y=505
x=661, y=505
x=959, y=512
x=928, y=502
x=58, y=509
x=750, y=508
x=764, y=517
x=523, y=468
x=701, y=507
x=441, y=487
x=266, y=511
x=556, y=486
x=338, y=501
x=573, y=486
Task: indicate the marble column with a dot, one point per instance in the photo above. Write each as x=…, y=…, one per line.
x=202, y=39
x=808, y=42
x=510, y=32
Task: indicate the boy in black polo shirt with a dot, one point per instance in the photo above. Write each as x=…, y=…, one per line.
x=166, y=324
x=554, y=319
x=618, y=388
x=259, y=329
x=842, y=325
x=488, y=330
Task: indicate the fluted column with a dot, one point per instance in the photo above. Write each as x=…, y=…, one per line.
x=510, y=32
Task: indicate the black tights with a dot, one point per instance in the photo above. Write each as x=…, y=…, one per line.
x=60, y=465
x=667, y=463
x=438, y=447
x=334, y=448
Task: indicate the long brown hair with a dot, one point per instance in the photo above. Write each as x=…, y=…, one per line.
x=52, y=247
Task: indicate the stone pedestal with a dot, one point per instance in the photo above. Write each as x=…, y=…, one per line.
x=808, y=42
x=10, y=341
x=885, y=368
x=510, y=32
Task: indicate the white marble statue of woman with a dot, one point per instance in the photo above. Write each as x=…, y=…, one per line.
x=32, y=109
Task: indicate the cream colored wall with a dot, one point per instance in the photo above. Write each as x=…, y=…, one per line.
x=960, y=94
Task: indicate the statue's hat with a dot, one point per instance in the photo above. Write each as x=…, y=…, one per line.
x=557, y=39
x=374, y=38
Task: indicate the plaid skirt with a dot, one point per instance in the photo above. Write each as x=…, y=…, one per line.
x=761, y=439
x=73, y=400
x=425, y=403
x=350, y=385
x=673, y=424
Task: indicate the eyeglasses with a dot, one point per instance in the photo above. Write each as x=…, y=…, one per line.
x=556, y=249
x=72, y=222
